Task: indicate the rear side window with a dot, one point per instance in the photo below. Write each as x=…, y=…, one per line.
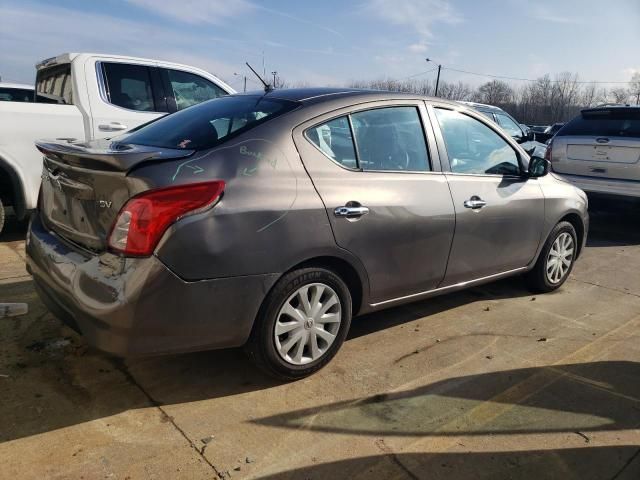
x=190, y=89
x=335, y=141
x=129, y=86
x=605, y=123
x=210, y=123
x=54, y=85
x=387, y=139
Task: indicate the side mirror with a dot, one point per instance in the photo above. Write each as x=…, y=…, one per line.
x=538, y=167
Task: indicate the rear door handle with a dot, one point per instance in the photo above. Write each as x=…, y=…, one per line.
x=350, y=211
x=112, y=127
x=475, y=203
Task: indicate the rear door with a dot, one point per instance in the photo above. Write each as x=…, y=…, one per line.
x=385, y=195
x=499, y=212
x=600, y=143
x=128, y=95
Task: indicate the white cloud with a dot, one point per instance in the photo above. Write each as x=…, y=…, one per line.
x=419, y=47
x=419, y=15
x=197, y=11
x=59, y=30
x=546, y=14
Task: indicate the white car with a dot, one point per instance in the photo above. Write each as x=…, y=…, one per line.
x=599, y=151
x=85, y=96
x=15, y=92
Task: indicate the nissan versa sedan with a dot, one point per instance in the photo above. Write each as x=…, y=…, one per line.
x=270, y=219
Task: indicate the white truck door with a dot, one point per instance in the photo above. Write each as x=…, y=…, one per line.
x=122, y=95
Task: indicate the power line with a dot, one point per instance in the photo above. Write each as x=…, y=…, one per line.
x=522, y=79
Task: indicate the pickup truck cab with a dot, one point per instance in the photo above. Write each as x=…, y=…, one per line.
x=86, y=96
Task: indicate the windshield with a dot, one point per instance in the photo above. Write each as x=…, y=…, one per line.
x=605, y=123
x=208, y=124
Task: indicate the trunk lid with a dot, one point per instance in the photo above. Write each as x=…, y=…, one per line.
x=84, y=185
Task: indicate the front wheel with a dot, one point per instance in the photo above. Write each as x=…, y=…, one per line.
x=302, y=324
x=556, y=259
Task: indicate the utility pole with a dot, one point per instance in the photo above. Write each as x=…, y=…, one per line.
x=245, y=80
x=437, y=78
x=274, y=78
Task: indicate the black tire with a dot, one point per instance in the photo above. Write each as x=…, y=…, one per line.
x=261, y=347
x=537, y=278
x=2, y=216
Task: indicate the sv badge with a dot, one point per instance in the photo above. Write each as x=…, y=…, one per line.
x=104, y=203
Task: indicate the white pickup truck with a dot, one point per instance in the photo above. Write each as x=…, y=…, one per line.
x=85, y=96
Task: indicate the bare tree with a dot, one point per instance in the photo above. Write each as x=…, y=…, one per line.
x=495, y=92
x=619, y=95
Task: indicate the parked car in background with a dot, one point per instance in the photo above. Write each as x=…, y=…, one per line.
x=84, y=96
x=548, y=133
x=538, y=128
x=170, y=238
x=511, y=126
x=599, y=151
x=15, y=92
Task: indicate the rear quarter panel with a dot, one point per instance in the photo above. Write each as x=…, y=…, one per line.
x=269, y=219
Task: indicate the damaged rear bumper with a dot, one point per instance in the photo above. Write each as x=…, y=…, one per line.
x=137, y=306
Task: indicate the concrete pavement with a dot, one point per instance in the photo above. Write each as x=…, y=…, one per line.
x=490, y=383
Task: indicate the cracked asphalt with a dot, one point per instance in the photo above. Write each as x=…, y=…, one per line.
x=491, y=383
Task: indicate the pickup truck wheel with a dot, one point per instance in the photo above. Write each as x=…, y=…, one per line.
x=2, y=216
x=302, y=324
x=556, y=259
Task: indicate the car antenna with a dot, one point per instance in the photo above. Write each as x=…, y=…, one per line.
x=267, y=86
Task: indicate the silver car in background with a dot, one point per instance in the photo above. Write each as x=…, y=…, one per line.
x=270, y=219
x=599, y=151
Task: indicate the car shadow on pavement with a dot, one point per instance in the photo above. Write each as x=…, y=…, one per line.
x=613, y=223
x=585, y=397
x=590, y=463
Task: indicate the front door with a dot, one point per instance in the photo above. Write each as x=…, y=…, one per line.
x=387, y=201
x=499, y=211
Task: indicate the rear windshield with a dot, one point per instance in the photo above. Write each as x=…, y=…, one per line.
x=54, y=85
x=208, y=124
x=605, y=123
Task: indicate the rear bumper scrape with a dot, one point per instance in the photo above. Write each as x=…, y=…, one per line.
x=131, y=307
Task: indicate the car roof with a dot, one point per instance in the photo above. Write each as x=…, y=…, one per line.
x=15, y=85
x=611, y=107
x=482, y=106
x=321, y=94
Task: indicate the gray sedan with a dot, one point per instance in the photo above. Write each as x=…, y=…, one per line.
x=270, y=219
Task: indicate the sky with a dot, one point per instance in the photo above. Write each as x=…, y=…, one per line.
x=333, y=42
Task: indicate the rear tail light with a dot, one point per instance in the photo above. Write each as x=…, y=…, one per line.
x=144, y=218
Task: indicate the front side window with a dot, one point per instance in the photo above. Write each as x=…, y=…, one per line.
x=473, y=147
x=129, y=86
x=387, y=139
x=189, y=89
x=335, y=141
x=208, y=124
x=511, y=127
x=53, y=85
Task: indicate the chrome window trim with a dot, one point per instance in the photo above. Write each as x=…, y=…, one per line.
x=355, y=144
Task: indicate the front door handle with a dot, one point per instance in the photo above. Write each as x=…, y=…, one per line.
x=112, y=127
x=351, y=210
x=475, y=203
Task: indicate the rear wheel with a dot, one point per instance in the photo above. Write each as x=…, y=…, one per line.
x=556, y=259
x=302, y=324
